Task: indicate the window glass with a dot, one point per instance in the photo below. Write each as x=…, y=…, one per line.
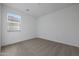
x=14, y=22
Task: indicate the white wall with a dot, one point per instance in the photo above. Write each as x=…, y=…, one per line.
x=0, y=27
x=61, y=26
x=27, y=27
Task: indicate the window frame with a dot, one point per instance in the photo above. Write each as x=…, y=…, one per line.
x=15, y=29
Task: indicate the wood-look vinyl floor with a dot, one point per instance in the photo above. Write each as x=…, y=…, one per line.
x=39, y=47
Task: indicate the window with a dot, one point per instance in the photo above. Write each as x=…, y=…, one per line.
x=14, y=22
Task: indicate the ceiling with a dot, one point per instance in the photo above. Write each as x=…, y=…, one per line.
x=38, y=9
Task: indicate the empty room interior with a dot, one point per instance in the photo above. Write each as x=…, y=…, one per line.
x=39, y=29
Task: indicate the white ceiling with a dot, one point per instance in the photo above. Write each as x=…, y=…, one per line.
x=38, y=9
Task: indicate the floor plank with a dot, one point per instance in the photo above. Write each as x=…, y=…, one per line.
x=39, y=47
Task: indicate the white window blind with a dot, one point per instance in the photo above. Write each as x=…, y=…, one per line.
x=14, y=22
